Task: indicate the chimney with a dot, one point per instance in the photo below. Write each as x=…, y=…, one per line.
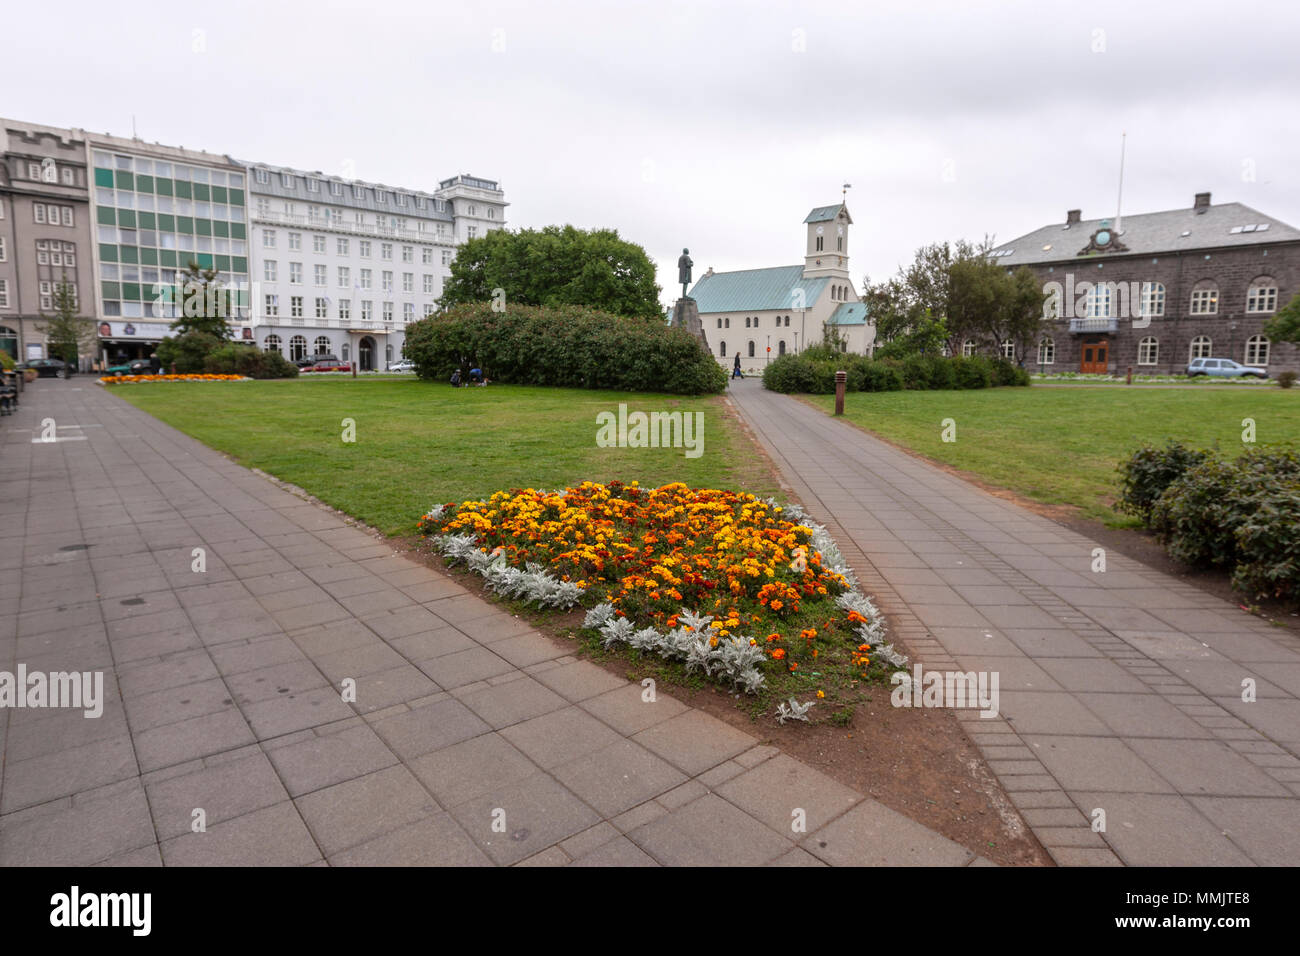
x=1072, y=217
x=709, y=273
x=1202, y=202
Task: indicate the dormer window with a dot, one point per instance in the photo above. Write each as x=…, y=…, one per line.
x=336, y=189
x=263, y=176
x=358, y=192
x=313, y=185
x=381, y=196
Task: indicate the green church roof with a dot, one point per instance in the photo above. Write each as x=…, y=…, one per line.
x=756, y=290
x=849, y=313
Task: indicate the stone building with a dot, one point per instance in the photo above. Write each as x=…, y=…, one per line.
x=760, y=314
x=1153, y=291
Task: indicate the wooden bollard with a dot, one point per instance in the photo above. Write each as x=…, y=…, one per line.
x=840, y=379
x=1129, y=380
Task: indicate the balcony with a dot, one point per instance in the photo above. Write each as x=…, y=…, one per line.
x=1094, y=324
x=352, y=228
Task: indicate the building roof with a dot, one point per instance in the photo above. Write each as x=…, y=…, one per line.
x=1145, y=234
x=849, y=313
x=827, y=213
x=434, y=208
x=756, y=290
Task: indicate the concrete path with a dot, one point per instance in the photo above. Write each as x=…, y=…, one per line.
x=473, y=739
x=1120, y=691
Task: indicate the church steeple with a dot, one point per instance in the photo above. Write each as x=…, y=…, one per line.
x=828, y=242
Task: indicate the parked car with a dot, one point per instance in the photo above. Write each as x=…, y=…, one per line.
x=308, y=361
x=133, y=367
x=329, y=365
x=405, y=365
x=1224, y=368
x=46, y=367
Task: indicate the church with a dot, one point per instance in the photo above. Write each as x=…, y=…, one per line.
x=761, y=314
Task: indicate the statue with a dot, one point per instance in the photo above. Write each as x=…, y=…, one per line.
x=684, y=264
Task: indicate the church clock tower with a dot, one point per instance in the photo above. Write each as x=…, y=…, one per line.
x=828, y=242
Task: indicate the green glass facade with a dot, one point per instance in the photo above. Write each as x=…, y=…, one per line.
x=156, y=216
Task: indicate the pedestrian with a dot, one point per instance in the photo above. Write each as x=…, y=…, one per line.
x=155, y=366
x=735, y=370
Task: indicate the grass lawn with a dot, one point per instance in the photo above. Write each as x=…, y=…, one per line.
x=1061, y=446
x=420, y=443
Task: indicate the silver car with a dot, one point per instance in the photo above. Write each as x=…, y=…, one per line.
x=1224, y=368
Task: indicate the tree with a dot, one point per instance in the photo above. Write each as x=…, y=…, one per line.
x=554, y=266
x=1285, y=325
x=67, y=334
x=203, y=303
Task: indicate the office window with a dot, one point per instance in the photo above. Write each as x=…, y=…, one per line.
x=272, y=344
x=446, y=257
x=269, y=270
x=386, y=250
x=345, y=277
x=345, y=308
x=38, y=212
x=322, y=307
x=1262, y=296
x=319, y=275
x=318, y=244
x=408, y=282
x=268, y=238
x=322, y=345
x=4, y=293
x=428, y=286
x=365, y=278
x=387, y=280
x=367, y=310
x=1257, y=350
x=272, y=305
x=295, y=307
x=408, y=312
x=295, y=273
x=47, y=295
x=341, y=247
x=1205, y=301
x=1148, y=351
x=408, y=253
x=388, y=311
x=295, y=240
x=363, y=248
x=1202, y=347
x=426, y=255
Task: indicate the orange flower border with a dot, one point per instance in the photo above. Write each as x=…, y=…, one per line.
x=137, y=379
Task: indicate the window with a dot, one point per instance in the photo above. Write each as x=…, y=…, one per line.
x=1201, y=347
x=318, y=244
x=295, y=240
x=471, y=232
x=386, y=250
x=345, y=277
x=408, y=282
x=968, y=348
x=1257, y=350
x=408, y=253
x=819, y=243
x=33, y=170
x=751, y=348
x=387, y=280
x=269, y=270
x=363, y=248
x=365, y=278
x=358, y=192
x=381, y=196
x=272, y=344
x=408, y=312
x=322, y=307
x=428, y=279
x=1097, y=303
x=492, y=213
x=313, y=185
x=263, y=176
x=1148, y=351
x=367, y=310
x=446, y=257
x=69, y=177
x=388, y=311
x=47, y=294
x=1046, y=352
x=272, y=305
x=322, y=345
x=1008, y=349
x=780, y=347
x=38, y=212
x=1262, y=296
x=320, y=277
x=4, y=293
x=295, y=307
x=722, y=349
x=426, y=255
x=268, y=238
x=1153, y=299
x=345, y=308
x=2, y=249
x=297, y=348
x=726, y=322
x=286, y=180
x=787, y=321
x=746, y=321
x=295, y=273
x=1205, y=301
x=719, y=323
x=341, y=247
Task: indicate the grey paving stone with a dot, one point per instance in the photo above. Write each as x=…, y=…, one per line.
x=1096, y=763
x=694, y=741
x=190, y=739
x=537, y=813
x=628, y=712
x=178, y=703
x=871, y=834
x=619, y=851
x=429, y=728
x=358, y=661
x=777, y=789
x=1137, y=825
x=709, y=832
x=459, y=668
x=579, y=680
x=436, y=840
x=618, y=777
x=560, y=736
x=323, y=758
x=223, y=790
x=429, y=644
x=286, y=713
x=528, y=649
x=65, y=772
x=275, y=836
x=356, y=811
x=1208, y=767
x=510, y=703
x=472, y=768
x=78, y=831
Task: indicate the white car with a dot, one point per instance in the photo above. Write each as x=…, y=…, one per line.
x=405, y=365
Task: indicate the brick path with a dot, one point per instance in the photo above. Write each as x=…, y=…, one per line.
x=1119, y=690
x=222, y=692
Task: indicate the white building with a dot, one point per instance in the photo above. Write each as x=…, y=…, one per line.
x=341, y=267
x=760, y=314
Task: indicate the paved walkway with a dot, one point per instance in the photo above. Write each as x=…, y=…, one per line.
x=1120, y=691
x=473, y=739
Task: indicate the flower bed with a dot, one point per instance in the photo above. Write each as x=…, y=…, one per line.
x=740, y=589
x=197, y=377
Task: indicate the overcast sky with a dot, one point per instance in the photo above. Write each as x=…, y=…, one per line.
x=707, y=124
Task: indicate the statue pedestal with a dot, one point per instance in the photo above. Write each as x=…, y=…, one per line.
x=686, y=315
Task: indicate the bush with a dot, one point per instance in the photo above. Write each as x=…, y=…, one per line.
x=1148, y=472
x=562, y=346
x=813, y=372
x=186, y=353
x=1268, y=546
x=247, y=360
x=1287, y=379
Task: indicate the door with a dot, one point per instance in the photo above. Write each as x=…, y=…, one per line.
x=1094, y=354
x=366, y=354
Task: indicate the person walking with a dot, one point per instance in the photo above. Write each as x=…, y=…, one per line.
x=735, y=370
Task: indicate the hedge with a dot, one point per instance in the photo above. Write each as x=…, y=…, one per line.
x=813, y=371
x=236, y=359
x=562, y=346
x=1208, y=511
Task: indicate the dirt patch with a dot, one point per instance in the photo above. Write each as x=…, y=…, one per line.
x=916, y=761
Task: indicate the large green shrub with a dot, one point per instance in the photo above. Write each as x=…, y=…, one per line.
x=186, y=353
x=1148, y=472
x=235, y=359
x=562, y=346
x=1268, y=546
x=813, y=372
